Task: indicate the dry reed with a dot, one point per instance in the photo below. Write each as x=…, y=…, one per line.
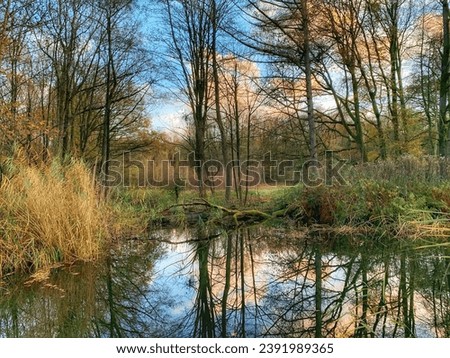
x=50, y=215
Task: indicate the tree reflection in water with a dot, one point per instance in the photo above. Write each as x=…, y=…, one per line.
x=250, y=282
x=86, y=300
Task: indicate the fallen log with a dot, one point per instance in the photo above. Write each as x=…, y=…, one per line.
x=238, y=216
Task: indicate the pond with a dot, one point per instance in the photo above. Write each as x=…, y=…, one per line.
x=253, y=282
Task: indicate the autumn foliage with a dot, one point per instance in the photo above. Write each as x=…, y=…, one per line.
x=48, y=215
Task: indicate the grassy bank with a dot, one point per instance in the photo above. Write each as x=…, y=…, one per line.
x=410, y=195
x=366, y=204
x=55, y=214
x=48, y=215
x=406, y=195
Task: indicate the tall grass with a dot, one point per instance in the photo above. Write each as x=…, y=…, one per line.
x=405, y=171
x=405, y=195
x=48, y=215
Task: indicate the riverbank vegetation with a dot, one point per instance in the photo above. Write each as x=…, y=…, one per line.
x=48, y=215
x=192, y=119
x=59, y=213
x=402, y=193
x=406, y=195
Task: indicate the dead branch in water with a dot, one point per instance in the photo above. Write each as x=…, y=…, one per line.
x=238, y=215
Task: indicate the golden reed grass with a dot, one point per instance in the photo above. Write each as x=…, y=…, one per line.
x=50, y=215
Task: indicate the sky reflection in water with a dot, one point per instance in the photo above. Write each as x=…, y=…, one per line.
x=252, y=282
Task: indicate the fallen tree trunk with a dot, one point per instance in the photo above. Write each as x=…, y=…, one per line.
x=230, y=216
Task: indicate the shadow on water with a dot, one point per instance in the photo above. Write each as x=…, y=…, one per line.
x=255, y=282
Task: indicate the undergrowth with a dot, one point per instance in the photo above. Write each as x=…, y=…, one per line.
x=50, y=214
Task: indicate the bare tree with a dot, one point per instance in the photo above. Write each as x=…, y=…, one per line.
x=284, y=33
x=218, y=12
x=191, y=45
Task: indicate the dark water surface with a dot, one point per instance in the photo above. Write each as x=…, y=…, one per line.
x=253, y=282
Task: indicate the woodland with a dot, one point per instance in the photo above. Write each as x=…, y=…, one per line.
x=274, y=94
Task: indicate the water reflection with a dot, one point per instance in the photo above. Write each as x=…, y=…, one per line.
x=247, y=283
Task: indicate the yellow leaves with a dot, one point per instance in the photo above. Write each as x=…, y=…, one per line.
x=21, y=129
x=21, y=124
x=237, y=78
x=4, y=42
x=244, y=67
x=431, y=24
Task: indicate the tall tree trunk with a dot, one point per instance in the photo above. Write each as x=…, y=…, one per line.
x=394, y=89
x=359, y=134
x=308, y=80
x=107, y=115
x=444, y=83
x=371, y=86
x=238, y=175
x=223, y=135
x=247, y=169
x=200, y=156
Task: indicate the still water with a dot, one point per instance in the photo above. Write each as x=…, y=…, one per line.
x=252, y=282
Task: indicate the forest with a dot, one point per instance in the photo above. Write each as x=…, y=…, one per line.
x=119, y=118
x=367, y=80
